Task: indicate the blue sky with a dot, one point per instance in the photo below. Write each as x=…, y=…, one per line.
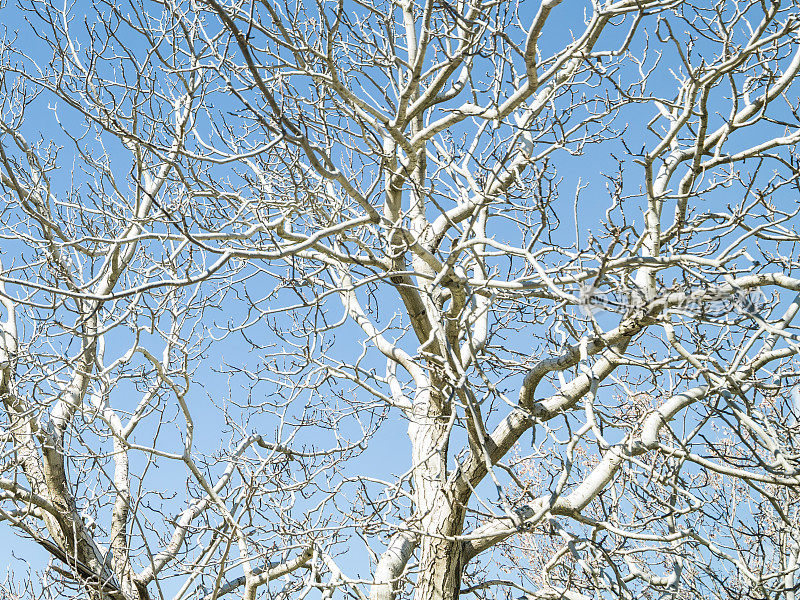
x=224, y=374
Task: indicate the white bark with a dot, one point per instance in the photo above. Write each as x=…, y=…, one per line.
x=478, y=221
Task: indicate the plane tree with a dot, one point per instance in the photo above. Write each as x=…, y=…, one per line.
x=400, y=299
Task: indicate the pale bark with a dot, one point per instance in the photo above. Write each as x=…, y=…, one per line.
x=476, y=221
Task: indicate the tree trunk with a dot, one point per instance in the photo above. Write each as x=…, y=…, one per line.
x=441, y=559
x=440, y=514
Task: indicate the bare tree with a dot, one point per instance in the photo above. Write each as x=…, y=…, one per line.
x=246, y=244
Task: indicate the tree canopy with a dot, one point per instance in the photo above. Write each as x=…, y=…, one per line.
x=400, y=299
